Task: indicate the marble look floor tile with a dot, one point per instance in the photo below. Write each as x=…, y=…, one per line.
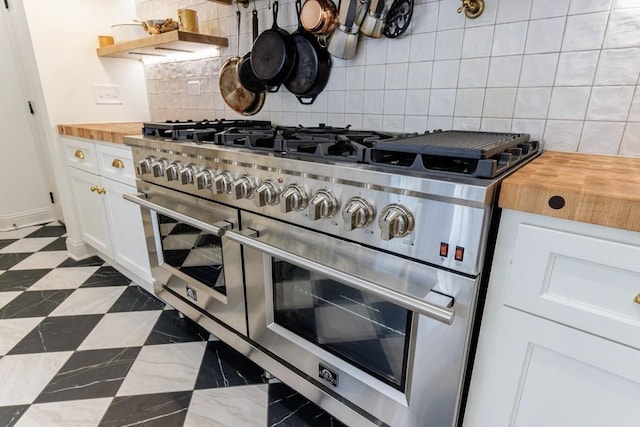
x=27, y=245
x=163, y=368
x=20, y=280
x=57, y=334
x=7, y=297
x=48, y=231
x=234, y=407
x=9, y=260
x=64, y=414
x=90, y=374
x=88, y=301
x=106, y=276
x=33, y=303
x=63, y=278
x=170, y=328
x=18, y=233
x=24, y=376
x=12, y=331
x=163, y=409
x=59, y=244
x=287, y=407
x=87, y=262
x=134, y=298
x=9, y=415
x=41, y=260
x=222, y=366
x=121, y=330
x=5, y=242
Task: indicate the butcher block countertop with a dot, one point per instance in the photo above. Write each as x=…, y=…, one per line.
x=596, y=189
x=107, y=132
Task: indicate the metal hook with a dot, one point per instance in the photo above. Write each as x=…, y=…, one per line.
x=472, y=8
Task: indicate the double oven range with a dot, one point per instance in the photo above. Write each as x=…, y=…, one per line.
x=347, y=263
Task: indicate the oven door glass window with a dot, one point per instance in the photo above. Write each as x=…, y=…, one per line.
x=194, y=252
x=362, y=329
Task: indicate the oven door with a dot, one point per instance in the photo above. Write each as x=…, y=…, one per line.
x=189, y=255
x=374, y=330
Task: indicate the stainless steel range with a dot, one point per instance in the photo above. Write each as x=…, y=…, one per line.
x=347, y=263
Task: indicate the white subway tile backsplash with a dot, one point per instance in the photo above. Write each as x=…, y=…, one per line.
x=469, y=102
x=624, y=4
x=623, y=29
x=392, y=122
x=439, y=122
x=477, y=42
x=448, y=16
x=442, y=102
x=630, y=145
x=336, y=101
x=321, y=103
x=394, y=101
x=396, y=76
x=372, y=121
x=420, y=75
x=562, y=135
x=539, y=70
x=374, y=77
x=417, y=103
x=449, y=44
x=467, y=123
x=355, y=120
x=415, y=123
x=337, y=79
x=488, y=17
x=513, y=10
x=535, y=128
x=509, y=39
x=398, y=50
x=585, y=32
x=425, y=18
x=545, y=35
x=618, y=67
x=373, y=101
x=577, y=68
x=532, y=103
x=490, y=124
x=499, y=102
x=549, y=8
x=634, y=113
x=376, y=50
x=569, y=103
x=601, y=137
x=473, y=72
x=355, y=77
x=354, y=101
x=422, y=47
x=445, y=74
x=504, y=71
x=610, y=103
x=587, y=6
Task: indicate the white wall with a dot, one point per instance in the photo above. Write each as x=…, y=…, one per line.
x=565, y=71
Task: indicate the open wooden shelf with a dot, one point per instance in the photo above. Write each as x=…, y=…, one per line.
x=164, y=44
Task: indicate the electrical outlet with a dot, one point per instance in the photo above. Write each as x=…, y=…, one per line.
x=106, y=94
x=193, y=87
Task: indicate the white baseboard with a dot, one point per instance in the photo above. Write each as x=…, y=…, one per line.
x=24, y=219
x=79, y=250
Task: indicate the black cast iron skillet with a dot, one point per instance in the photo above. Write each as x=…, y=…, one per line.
x=247, y=77
x=273, y=55
x=313, y=65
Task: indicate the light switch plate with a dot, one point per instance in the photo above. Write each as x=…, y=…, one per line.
x=106, y=94
x=193, y=87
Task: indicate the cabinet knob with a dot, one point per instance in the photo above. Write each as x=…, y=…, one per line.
x=94, y=188
x=118, y=164
x=100, y=190
x=79, y=154
x=637, y=299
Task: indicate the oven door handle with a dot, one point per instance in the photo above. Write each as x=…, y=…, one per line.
x=217, y=229
x=409, y=302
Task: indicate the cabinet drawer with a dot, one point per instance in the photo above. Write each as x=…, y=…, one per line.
x=81, y=155
x=577, y=279
x=116, y=162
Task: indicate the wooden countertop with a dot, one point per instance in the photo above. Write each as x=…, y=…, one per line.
x=107, y=132
x=603, y=190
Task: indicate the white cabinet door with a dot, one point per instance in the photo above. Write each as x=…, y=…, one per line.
x=545, y=374
x=91, y=208
x=129, y=247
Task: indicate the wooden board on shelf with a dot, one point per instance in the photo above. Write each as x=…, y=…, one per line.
x=164, y=44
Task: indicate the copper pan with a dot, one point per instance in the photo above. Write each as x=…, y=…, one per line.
x=319, y=17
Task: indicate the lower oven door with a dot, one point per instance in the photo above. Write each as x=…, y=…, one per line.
x=383, y=334
x=189, y=255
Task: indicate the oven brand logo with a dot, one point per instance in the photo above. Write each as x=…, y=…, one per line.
x=328, y=375
x=191, y=293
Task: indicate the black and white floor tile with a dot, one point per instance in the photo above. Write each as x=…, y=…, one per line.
x=80, y=345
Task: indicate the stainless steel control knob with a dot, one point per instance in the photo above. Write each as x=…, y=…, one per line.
x=395, y=221
x=144, y=165
x=294, y=198
x=357, y=213
x=203, y=179
x=243, y=187
x=221, y=183
x=187, y=174
x=158, y=166
x=268, y=194
x=173, y=171
x=323, y=204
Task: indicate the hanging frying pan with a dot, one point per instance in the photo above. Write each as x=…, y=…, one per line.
x=313, y=65
x=273, y=55
x=234, y=95
x=248, y=79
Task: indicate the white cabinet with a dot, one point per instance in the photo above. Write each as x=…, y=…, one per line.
x=100, y=174
x=559, y=343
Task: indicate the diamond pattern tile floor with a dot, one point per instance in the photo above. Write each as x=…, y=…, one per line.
x=81, y=345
